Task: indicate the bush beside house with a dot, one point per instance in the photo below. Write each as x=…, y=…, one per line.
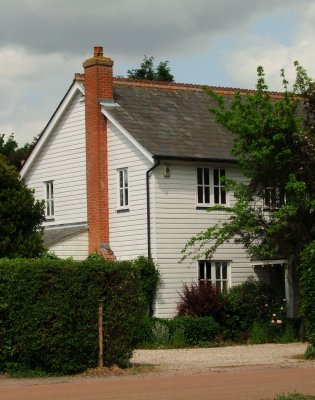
x=48, y=313
x=251, y=312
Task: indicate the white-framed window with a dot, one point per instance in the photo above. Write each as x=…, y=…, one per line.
x=123, y=195
x=210, y=188
x=49, y=199
x=274, y=197
x=217, y=272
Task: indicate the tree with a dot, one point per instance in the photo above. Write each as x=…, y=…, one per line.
x=146, y=71
x=274, y=212
x=14, y=154
x=20, y=216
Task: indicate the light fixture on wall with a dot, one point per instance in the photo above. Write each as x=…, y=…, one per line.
x=166, y=171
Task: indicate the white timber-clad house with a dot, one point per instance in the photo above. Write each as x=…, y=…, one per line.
x=129, y=168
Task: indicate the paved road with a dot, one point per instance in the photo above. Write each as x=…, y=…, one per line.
x=237, y=384
x=238, y=372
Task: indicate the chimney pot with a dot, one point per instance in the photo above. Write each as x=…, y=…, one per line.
x=98, y=51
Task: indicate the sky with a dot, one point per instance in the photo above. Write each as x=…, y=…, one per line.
x=215, y=42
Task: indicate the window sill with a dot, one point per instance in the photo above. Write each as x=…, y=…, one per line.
x=122, y=210
x=49, y=219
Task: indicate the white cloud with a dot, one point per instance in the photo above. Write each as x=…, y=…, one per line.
x=252, y=51
x=43, y=42
x=30, y=89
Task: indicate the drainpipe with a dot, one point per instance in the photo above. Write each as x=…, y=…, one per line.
x=156, y=164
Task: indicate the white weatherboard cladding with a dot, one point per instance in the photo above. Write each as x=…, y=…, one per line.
x=128, y=229
x=176, y=221
x=62, y=160
x=75, y=246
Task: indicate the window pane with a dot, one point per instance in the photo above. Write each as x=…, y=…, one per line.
x=200, y=194
x=222, y=173
x=51, y=190
x=208, y=271
x=217, y=270
x=199, y=176
x=223, y=196
x=218, y=285
x=224, y=286
x=216, y=177
x=121, y=197
x=207, y=194
x=216, y=195
x=201, y=272
x=121, y=179
x=47, y=209
x=224, y=271
x=126, y=197
x=126, y=177
x=206, y=176
x=52, y=208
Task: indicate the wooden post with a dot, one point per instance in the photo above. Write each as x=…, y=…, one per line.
x=100, y=363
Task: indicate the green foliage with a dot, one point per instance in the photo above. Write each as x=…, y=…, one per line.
x=161, y=332
x=180, y=332
x=48, y=314
x=310, y=352
x=260, y=333
x=250, y=302
x=200, y=300
x=274, y=146
x=149, y=277
x=147, y=71
x=307, y=272
x=20, y=216
x=194, y=331
x=14, y=154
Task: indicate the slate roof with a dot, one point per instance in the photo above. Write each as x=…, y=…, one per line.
x=56, y=235
x=171, y=121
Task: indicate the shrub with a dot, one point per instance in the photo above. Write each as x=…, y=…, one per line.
x=260, y=333
x=307, y=273
x=48, y=313
x=161, y=332
x=149, y=277
x=250, y=302
x=310, y=352
x=200, y=300
x=194, y=331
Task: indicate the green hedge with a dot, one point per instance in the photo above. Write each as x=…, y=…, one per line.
x=307, y=282
x=48, y=313
x=195, y=331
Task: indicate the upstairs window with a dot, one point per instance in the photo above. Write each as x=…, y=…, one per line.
x=218, y=187
x=274, y=198
x=210, y=189
x=123, y=199
x=217, y=272
x=49, y=199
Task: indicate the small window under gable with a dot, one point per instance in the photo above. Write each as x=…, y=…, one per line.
x=123, y=195
x=49, y=199
x=210, y=188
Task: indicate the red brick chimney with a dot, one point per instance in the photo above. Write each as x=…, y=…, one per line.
x=98, y=85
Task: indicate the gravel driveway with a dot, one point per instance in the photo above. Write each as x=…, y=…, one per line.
x=232, y=356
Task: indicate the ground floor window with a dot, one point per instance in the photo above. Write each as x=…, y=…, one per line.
x=218, y=272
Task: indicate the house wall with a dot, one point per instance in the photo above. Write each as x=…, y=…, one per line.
x=62, y=159
x=128, y=229
x=75, y=246
x=177, y=220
